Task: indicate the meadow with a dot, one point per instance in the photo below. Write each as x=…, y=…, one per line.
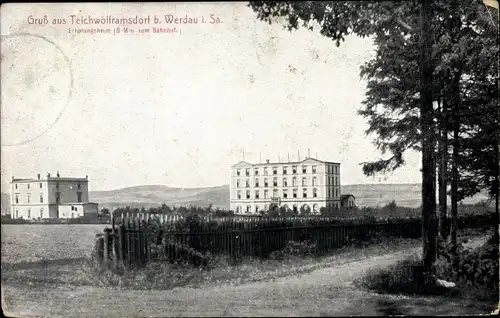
x=30, y=243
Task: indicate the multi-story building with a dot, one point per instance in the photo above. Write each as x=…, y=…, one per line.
x=309, y=184
x=51, y=198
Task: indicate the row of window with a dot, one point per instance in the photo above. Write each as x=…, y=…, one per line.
x=275, y=194
x=41, y=185
x=275, y=182
x=29, y=213
x=248, y=208
x=58, y=197
x=332, y=192
x=73, y=208
x=331, y=170
x=275, y=170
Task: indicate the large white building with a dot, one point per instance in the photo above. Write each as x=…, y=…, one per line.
x=309, y=184
x=51, y=198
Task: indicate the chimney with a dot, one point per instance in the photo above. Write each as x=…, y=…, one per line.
x=48, y=174
x=267, y=160
x=38, y=176
x=86, y=177
x=58, y=174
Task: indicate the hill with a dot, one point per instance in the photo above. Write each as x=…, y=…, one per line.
x=153, y=195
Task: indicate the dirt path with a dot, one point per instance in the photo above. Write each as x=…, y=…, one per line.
x=326, y=291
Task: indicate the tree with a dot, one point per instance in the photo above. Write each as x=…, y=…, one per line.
x=406, y=94
x=364, y=18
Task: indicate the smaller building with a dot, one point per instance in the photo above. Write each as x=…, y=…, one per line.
x=347, y=201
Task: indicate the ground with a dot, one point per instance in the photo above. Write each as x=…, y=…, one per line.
x=327, y=291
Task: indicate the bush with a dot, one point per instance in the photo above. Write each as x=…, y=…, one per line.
x=475, y=270
x=293, y=248
x=405, y=277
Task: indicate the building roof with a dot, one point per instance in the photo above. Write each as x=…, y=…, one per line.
x=47, y=179
x=245, y=163
x=77, y=203
x=345, y=196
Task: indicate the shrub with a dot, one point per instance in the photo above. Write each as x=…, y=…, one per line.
x=293, y=248
x=404, y=277
x=475, y=270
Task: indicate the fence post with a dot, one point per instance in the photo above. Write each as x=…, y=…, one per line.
x=121, y=241
x=107, y=251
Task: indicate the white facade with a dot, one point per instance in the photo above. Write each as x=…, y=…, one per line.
x=308, y=184
x=50, y=198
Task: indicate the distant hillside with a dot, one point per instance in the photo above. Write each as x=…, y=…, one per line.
x=408, y=195
x=153, y=195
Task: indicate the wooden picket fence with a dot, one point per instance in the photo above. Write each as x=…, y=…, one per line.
x=130, y=241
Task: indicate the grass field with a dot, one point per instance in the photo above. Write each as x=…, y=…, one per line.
x=37, y=242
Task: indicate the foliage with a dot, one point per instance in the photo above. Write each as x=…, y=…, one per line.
x=476, y=269
x=296, y=249
x=404, y=277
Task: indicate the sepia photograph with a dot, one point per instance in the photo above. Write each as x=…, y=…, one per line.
x=250, y=158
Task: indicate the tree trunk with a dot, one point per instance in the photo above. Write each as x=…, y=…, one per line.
x=443, y=174
x=428, y=141
x=456, y=105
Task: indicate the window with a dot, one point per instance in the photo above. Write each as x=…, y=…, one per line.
x=28, y=185
x=304, y=169
x=284, y=170
x=17, y=198
x=315, y=193
x=314, y=181
x=294, y=193
x=41, y=213
x=275, y=193
x=239, y=195
x=248, y=194
x=237, y=183
x=285, y=183
x=315, y=208
x=265, y=171
x=294, y=169
x=265, y=207
x=238, y=172
x=72, y=215
x=266, y=194
x=257, y=194
x=304, y=181
x=256, y=171
x=256, y=209
x=58, y=197
x=16, y=185
x=41, y=197
x=249, y=208
x=304, y=193
x=285, y=194
x=28, y=197
x=256, y=182
x=275, y=170
x=265, y=182
x=238, y=209
x=17, y=213
x=79, y=186
x=29, y=213
x=313, y=169
x=247, y=172
x=275, y=182
x=294, y=181
x=40, y=185
x=247, y=183
x=57, y=185
x=79, y=197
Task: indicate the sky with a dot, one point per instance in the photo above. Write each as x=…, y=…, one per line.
x=177, y=109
